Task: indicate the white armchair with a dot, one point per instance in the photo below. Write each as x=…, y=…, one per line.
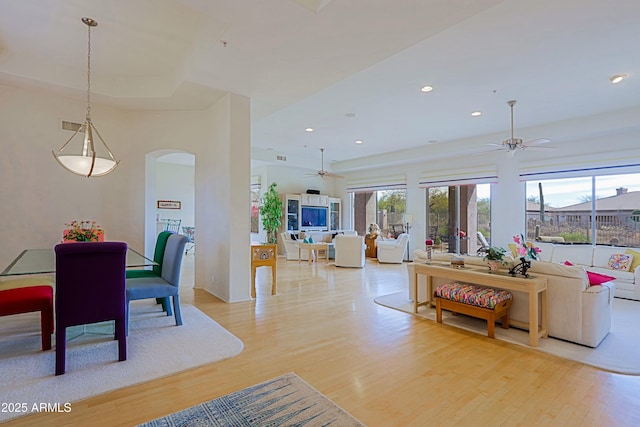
x=392, y=251
x=291, y=248
x=349, y=251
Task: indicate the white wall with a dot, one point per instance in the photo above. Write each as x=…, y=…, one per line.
x=37, y=196
x=176, y=182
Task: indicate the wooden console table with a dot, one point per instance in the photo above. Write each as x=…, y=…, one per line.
x=533, y=286
x=263, y=256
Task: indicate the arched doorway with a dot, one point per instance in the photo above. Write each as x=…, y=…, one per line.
x=169, y=193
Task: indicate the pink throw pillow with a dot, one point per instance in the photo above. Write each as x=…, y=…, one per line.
x=568, y=263
x=597, y=278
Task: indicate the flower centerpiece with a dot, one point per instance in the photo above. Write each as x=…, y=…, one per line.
x=526, y=251
x=83, y=231
x=494, y=255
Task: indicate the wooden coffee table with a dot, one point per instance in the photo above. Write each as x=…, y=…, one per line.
x=313, y=248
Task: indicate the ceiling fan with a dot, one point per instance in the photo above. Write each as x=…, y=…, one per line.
x=322, y=173
x=511, y=145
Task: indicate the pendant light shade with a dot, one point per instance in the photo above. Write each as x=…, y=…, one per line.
x=93, y=158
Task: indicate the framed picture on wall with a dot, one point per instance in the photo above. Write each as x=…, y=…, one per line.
x=169, y=204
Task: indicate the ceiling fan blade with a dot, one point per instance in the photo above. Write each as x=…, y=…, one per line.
x=332, y=175
x=536, y=142
x=499, y=147
x=534, y=148
x=493, y=144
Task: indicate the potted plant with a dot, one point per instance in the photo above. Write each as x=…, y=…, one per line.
x=495, y=255
x=271, y=213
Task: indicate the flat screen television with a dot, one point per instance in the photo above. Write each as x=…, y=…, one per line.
x=314, y=218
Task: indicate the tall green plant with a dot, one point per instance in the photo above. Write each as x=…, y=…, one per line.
x=271, y=212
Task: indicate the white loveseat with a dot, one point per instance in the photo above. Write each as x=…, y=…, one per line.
x=596, y=259
x=577, y=312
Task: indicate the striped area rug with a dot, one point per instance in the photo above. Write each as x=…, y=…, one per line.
x=283, y=401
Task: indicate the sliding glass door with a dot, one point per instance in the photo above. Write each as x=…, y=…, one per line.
x=455, y=215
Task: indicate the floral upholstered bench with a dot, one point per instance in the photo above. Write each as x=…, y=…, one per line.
x=477, y=301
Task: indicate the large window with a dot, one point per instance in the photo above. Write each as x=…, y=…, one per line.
x=386, y=208
x=455, y=215
x=593, y=210
x=391, y=208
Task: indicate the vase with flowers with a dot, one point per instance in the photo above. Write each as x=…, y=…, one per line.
x=494, y=255
x=526, y=251
x=82, y=231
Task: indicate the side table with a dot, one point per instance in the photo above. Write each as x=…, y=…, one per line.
x=263, y=256
x=372, y=246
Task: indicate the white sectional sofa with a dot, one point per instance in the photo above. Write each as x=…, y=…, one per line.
x=596, y=259
x=577, y=311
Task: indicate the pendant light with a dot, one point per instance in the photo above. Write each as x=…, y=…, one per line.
x=87, y=162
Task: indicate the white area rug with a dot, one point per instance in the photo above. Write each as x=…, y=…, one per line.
x=619, y=351
x=156, y=347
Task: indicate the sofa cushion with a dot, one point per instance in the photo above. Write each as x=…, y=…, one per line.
x=597, y=278
x=576, y=254
x=601, y=254
x=549, y=268
x=546, y=251
x=620, y=276
x=620, y=262
x=636, y=258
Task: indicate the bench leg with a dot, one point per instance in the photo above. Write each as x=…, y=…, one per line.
x=505, y=320
x=491, y=326
x=438, y=311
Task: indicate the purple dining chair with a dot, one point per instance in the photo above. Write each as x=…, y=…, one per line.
x=90, y=288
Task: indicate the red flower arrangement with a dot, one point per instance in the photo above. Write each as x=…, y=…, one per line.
x=83, y=231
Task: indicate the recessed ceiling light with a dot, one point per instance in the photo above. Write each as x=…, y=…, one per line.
x=617, y=78
x=350, y=115
x=476, y=113
x=426, y=88
x=359, y=141
x=308, y=130
x=432, y=141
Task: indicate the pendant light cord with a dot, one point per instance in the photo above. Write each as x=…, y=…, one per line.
x=89, y=74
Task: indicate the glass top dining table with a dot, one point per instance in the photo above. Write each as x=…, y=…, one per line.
x=41, y=261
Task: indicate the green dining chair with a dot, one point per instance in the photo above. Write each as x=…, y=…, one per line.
x=156, y=271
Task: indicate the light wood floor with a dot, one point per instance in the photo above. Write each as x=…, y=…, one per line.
x=385, y=367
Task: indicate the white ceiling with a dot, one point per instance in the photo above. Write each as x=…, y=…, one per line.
x=308, y=63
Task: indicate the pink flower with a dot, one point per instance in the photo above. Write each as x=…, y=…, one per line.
x=526, y=249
